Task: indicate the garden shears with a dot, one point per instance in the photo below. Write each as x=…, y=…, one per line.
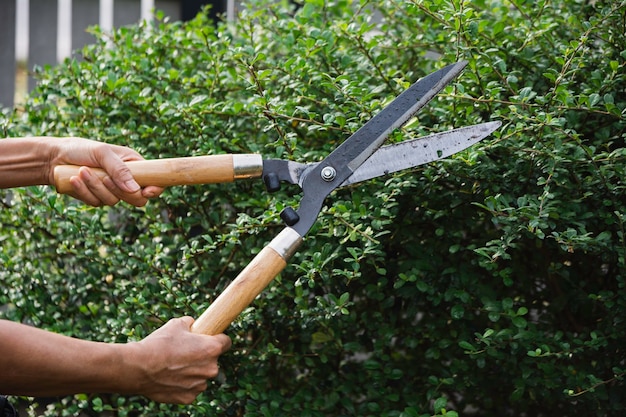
x=358, y=158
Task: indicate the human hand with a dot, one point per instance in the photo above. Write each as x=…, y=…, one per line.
x=175, y=363
x=88, y=187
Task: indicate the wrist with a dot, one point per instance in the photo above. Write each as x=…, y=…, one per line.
x=130, y=375
x=26, y=161
x=51, y=157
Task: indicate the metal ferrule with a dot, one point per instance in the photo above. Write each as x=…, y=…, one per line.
x=246, y=166
x=286, y=243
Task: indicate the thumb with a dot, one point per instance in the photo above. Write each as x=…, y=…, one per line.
x=186, y=321
x=119, y=172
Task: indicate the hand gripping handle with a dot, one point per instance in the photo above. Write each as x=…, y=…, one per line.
x=248, y=284
x=210, y=169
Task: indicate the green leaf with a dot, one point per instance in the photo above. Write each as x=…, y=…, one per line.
x=457, y=311
x=197, y=99
x=594, y=99
x=466, y=346
x=519, y=322
x=440, y=404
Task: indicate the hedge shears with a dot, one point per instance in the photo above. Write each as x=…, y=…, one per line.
x=358, y=158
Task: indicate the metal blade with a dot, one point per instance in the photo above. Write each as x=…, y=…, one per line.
x=393, y=158
x=365, y=141
x=344, y=160
x=411, y=153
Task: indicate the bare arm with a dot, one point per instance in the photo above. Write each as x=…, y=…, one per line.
x=24, y=162
x=171, y=365
x=31, y=161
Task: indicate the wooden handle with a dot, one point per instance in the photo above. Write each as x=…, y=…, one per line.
x=248, y=284
x=209, y=169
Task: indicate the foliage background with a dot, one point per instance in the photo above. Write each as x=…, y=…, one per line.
x=489, y=283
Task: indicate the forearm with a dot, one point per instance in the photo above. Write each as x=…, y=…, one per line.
x=35, y=362
x=25, y=161
x=31, y=161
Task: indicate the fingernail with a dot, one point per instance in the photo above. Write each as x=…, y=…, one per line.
x=76, y=181
x=132, y=186
x=84, y=173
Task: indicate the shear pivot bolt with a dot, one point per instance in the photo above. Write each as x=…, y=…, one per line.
x=328, y=174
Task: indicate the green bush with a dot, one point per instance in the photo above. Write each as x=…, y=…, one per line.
x=490, y=283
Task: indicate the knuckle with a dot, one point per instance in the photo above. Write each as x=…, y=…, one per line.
x=187, y=399
x=94, y=202
x=137, y=202
x=213, y=370
x=112, y=201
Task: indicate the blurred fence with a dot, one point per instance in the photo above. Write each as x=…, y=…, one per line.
x=41, y=32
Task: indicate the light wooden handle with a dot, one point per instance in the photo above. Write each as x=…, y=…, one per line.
x=210, y=169
x=248, y=284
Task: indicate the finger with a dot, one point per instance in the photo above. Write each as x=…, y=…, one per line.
x=152, y=191
x=81, y=192
x=97, y=187
x=186, y=321
x=136, y=199
x=211, y=371
x=220, y=343
x=117, y=170
x=223, y=343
